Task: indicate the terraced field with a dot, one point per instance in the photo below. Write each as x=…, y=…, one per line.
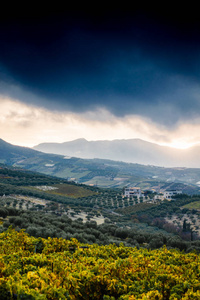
x=68, y=190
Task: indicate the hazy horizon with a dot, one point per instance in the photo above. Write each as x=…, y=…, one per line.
x=103, y=140
x=122, y=139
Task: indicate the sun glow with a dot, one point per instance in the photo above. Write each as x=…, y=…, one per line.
x=180, y=144
x=28, y=125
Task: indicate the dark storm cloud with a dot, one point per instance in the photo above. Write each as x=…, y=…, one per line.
x=138, y=62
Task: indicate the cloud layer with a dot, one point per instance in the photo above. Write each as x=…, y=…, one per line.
x=28, y=125
x=128, y=64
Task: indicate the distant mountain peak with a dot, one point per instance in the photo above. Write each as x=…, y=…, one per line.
x=126, y=150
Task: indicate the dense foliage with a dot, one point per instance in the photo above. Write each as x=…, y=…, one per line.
x=36, y=268
x=46, y=225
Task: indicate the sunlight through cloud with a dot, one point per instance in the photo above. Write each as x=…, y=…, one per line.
x=28, y=125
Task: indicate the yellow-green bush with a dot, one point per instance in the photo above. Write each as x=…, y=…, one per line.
x=67, y=270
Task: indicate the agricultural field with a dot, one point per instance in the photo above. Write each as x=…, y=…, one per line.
x=68, y=190
x=193, y=205
x=135, y=208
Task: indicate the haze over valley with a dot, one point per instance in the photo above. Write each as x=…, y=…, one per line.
x=132, y=151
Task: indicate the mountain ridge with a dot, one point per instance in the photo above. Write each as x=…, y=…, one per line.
x=127, y=150
x=101, y=172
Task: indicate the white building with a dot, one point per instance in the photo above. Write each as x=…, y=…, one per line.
x=169, y=194
x=132, y=192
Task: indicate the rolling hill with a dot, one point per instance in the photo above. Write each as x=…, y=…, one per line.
x=101, y=172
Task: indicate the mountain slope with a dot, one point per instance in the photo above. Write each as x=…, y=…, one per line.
x=133, y=150
x=101, y=172
x=11, y=153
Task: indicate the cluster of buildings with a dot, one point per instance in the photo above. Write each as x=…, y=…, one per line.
x=131, y=192
x=171, y=193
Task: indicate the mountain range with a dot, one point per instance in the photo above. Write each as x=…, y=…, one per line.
x=101, y=172
x=131, y=151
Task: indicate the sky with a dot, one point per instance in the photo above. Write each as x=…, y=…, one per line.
x=116, y=74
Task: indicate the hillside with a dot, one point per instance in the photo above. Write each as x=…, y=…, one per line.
x=49, y=206
x=100, y=172
x=131, y=151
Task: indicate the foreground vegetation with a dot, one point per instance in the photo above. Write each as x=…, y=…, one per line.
x=36, y=268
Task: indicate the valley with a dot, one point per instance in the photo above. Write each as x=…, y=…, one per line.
x=101, y=172
x=25, y=193
x=92, y=190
